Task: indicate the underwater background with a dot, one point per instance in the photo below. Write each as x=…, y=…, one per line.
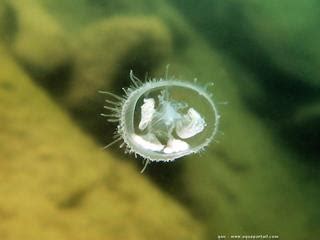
x=260, y=179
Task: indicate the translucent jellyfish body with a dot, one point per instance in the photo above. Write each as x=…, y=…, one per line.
x=162, y=120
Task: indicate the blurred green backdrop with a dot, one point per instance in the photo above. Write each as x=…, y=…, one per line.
x=260, y=177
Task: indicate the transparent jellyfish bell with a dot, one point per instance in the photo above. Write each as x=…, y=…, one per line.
x=162, y=119
x=166, y=119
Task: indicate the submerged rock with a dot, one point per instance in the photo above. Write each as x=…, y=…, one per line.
x=106, y=47
x=56, y=183
x=8, y=24
x=106, y=51
x=40, y=44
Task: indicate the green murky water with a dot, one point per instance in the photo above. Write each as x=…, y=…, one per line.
x=260, y=178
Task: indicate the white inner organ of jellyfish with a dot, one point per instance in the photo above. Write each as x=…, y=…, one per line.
x=163, y=119
x=159, y=124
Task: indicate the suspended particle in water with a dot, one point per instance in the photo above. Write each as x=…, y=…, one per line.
x=162, y=119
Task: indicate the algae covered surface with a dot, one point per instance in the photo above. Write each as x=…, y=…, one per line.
x=259, y=179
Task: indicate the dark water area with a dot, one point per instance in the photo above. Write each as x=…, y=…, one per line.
x=257, y=61
x=281, y=67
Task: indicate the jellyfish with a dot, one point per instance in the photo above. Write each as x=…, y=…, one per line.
x=162, y=119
